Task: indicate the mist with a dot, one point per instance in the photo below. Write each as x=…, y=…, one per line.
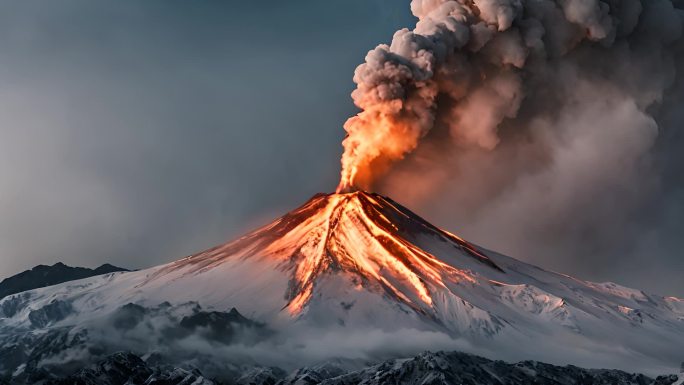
x=226, y=347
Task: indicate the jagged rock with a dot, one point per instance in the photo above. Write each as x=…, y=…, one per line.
x=323, y=371
x=120, y=368
x=666, y=380
x=125, y=368
x=11, y=356
x=42, y=276
x=53, y=312
x=13, y=305
x=261, y=376
x=465, y=369
x=177, y=376
x=128, y=316
x=223, y=327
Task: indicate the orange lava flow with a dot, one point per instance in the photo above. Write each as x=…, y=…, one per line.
x=352, y=234
x=364, y=237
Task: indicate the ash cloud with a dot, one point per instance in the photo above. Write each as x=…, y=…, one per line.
x=536, y=128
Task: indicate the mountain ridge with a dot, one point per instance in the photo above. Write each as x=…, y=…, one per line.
x=44, y=275
x=433, y=368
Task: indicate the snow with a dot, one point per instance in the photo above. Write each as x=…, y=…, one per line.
x=503, y=307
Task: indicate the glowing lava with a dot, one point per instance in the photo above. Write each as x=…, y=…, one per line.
x=365, y=236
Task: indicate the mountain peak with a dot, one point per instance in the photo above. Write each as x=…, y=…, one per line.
x=43, y=275
x=367, y=237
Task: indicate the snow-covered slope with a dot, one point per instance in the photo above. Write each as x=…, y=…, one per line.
x=361, y=262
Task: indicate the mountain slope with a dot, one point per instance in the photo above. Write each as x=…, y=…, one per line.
x=356, y=274
x=42, y=276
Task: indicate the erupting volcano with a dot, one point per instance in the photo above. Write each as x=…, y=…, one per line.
x=359, y=262
x=368, y=236
x=496, y=108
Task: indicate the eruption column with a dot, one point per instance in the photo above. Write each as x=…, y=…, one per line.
x=465, y=67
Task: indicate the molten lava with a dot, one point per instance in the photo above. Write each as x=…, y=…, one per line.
x=364, y=236
x=376, y=137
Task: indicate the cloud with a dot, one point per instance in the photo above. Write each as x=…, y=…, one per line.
x=537, y=133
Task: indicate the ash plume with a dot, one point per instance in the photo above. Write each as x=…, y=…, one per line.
x=469, y=66
x=514, y=116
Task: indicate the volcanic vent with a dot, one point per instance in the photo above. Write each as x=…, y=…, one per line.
x=369, y=238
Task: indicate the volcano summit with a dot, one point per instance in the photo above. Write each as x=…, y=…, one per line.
x=358, y=263
x=369, y=240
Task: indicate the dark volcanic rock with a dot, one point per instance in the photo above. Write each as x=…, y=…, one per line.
x=224, y=327
x=128, y=316
x=666, y=380
x=119, y=368
x=319, y=373
x=261, y=376
x=465, y=369
x=42, y=276
x=13, y=305
x=11, y=356
x=127, y=368
x=53, y=312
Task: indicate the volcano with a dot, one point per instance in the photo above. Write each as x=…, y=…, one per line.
x=360, y=261
x=370, y=240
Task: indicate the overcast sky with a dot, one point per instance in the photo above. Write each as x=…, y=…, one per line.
x=136, y=133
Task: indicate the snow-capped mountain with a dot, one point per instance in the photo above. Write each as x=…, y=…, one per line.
x=357, y=273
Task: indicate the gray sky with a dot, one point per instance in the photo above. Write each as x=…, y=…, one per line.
x=136, y=133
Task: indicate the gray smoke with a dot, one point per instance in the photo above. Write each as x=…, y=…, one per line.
x=534, y=124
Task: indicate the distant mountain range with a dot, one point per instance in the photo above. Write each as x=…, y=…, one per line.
x=42, y=276
x=440, y=368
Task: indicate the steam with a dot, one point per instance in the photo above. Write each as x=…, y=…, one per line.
x=154, y=334
x=472, y=68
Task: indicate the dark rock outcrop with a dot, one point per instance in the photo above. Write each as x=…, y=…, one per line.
x=459, y=368
x=43, y=276
x=224, y=327
x=53, y=312
x=127, y=368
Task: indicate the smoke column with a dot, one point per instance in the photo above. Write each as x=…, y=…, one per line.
x=546, y=129
x=469, y=66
